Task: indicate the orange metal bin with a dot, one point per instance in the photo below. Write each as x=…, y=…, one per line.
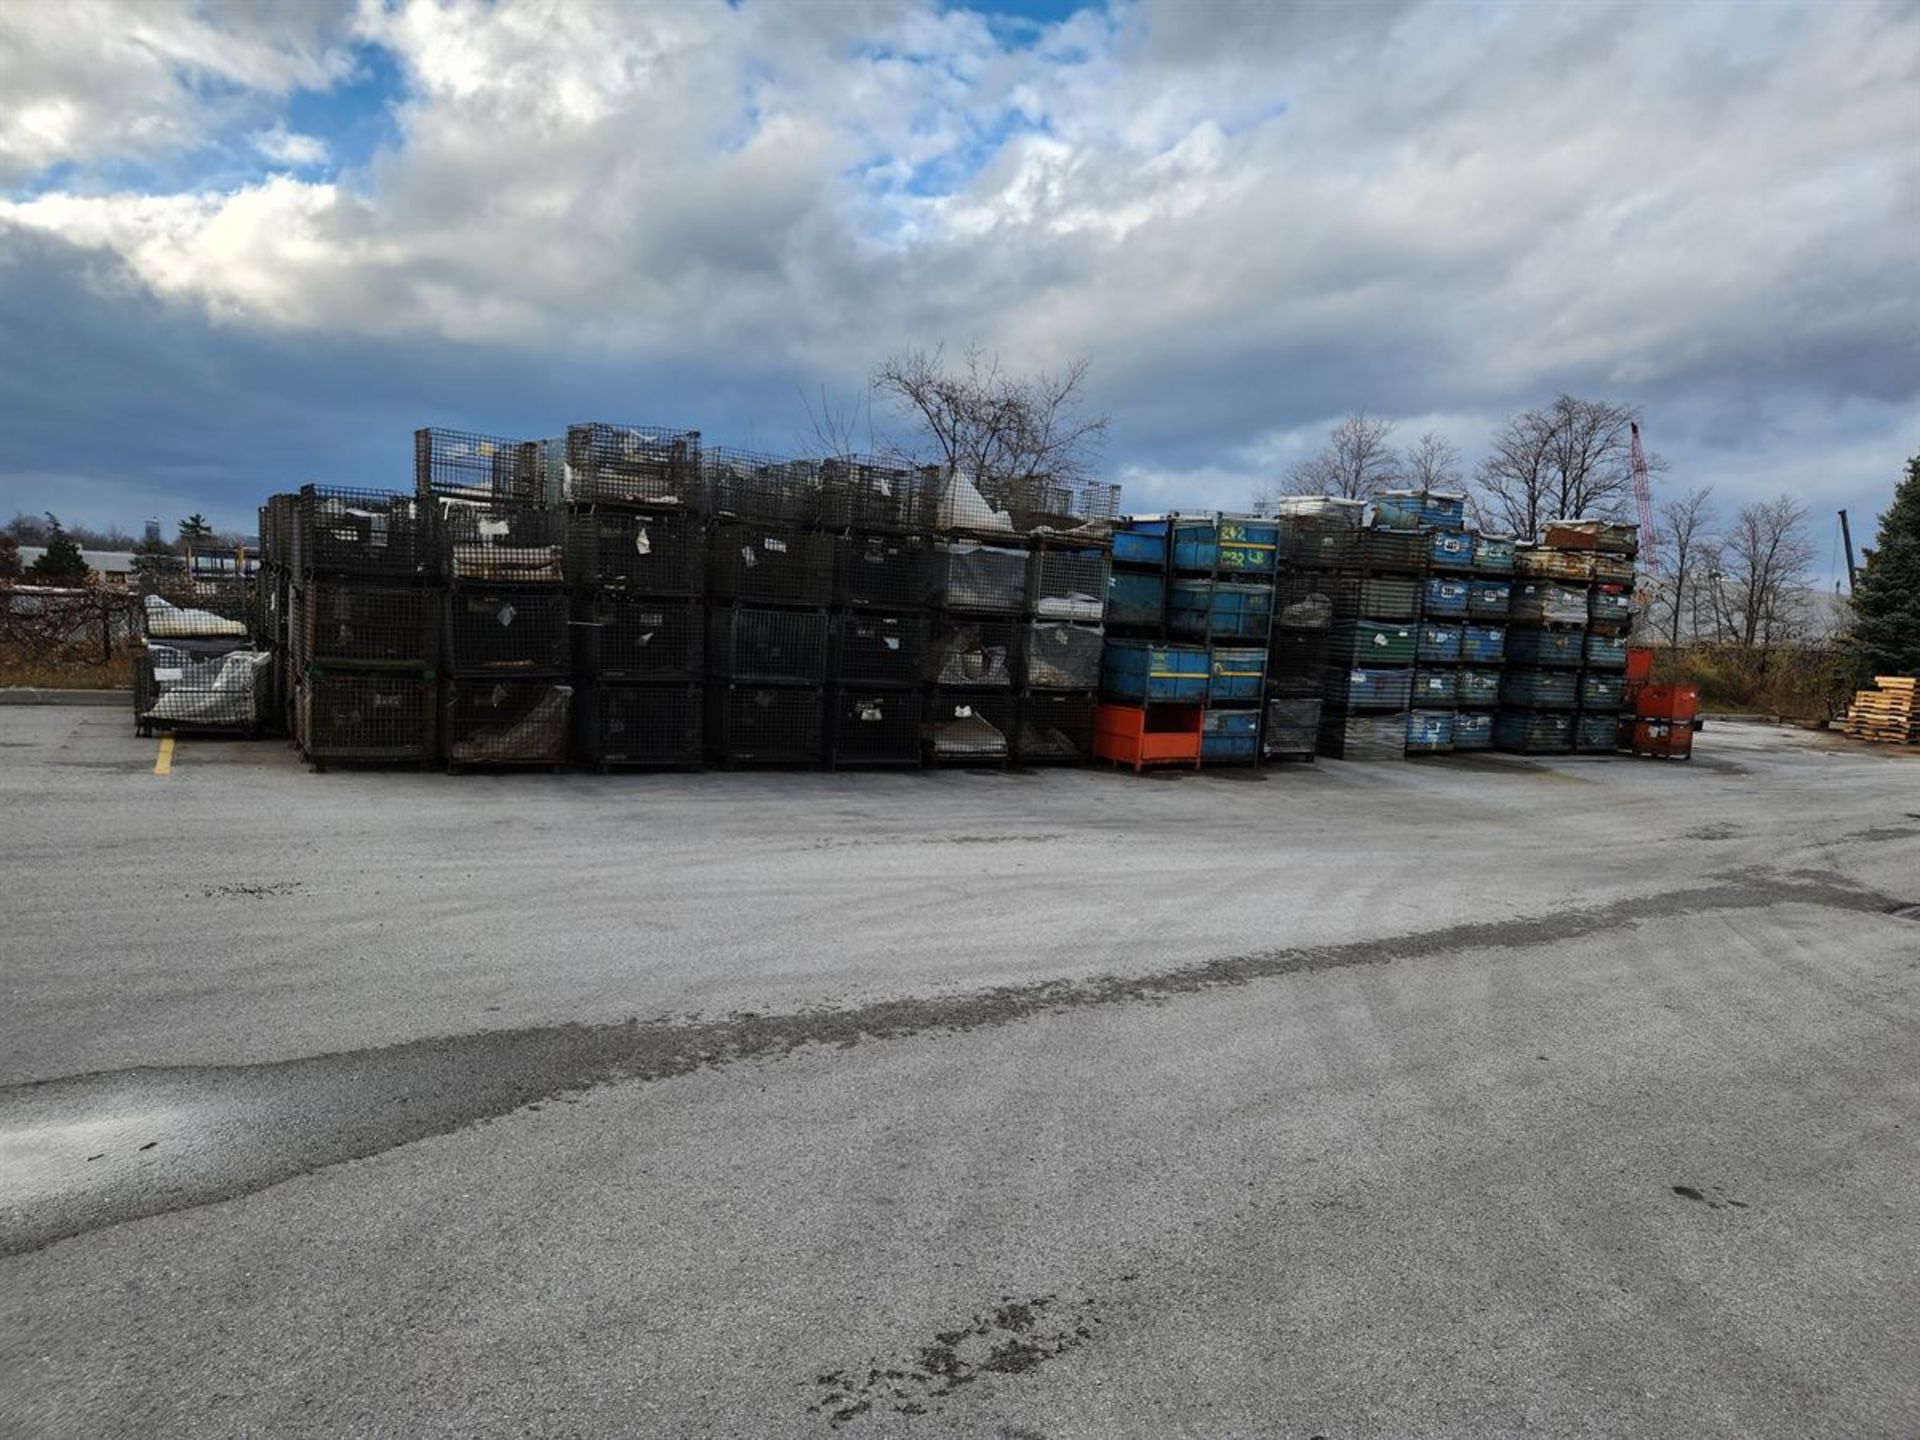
x=1142, y=735
x=1668, y=702
x=1666, y=739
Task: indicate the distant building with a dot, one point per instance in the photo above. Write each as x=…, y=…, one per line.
x=114, y=566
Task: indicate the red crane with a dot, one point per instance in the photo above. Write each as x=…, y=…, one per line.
x=1643, y=492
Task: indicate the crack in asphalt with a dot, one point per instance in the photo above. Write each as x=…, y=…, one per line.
x=89, y=1151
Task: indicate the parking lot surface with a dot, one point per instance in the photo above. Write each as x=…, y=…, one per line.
x=1478, y=1095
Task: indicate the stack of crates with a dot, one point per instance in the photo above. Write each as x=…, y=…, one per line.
x=980, y=592
x=1220, y=595
x=505, y=649
x=1445, y=606
x=635, y=565
x=882, y=587
x=1546, y=649
x=1373, y=645
x=770, y=579
x=1153, y=690
x=363, y=607
x=1483, y=642
x=1608, y=549
x=1319, y=541
x=1061, y=641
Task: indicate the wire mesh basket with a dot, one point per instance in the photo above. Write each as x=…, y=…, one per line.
x=1538, y=645
x=1069, y=584
x=1597, y=734
x=1493, y=555
x=1348, y=736
x=504, y=631
x=1056, y=655
x=1429, y=732
x=882, y=572
x=1303, y=602
x=343, y=622
x=349, y=716
x=504, y=722
x=967, y=727
x=625, y=724
x=1540, y=603
x=501, y=544
x=1054, y=728
x=771, y=646
x=1373, y=642
x=1602, y=691
x=1610, y=611
x=642, y=551
x=329, y=530
x=880, y=649
x=988, y=578
x=1435, y=689
x=1477, y=688
x=1472, y=730
x=1532, y=732
x=217, y=687
x=971, y=651
x=865, y=492
x=1444, y=597
x=752, y=561
x=1489, y=599
x=638, y=637
x=647, y=465
x=1292, y=727
x=464, y=465
x=1401, y=552
x=1361, y=688
x=874, y=727
x=755, y=486
x=1539, y=689
x=764, y=725
x=1375, y=597
x=1220, y=609
x=1606, y=652
x=1297, y=661
x=1437, y=641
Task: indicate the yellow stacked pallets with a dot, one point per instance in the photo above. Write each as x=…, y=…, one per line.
x=1886, y=713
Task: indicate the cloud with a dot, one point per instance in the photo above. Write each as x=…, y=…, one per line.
x=1252, y=218
x=93, y=79
x=288, y=147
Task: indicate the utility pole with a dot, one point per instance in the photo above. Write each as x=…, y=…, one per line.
x=1846, y=534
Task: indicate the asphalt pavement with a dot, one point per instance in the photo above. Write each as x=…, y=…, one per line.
x=1472, y=1096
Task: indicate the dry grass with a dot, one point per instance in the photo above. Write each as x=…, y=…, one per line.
x=116, y=674
x=1800, y=684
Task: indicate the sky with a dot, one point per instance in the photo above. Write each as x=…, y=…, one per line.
x=243, y=247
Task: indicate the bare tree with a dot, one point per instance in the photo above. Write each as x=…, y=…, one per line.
x=1432, y=463
x=1760, y=574
x=835, y=426
x=977, y=419
x=1686, y=527
x=1573, y=458
x=1357, y=462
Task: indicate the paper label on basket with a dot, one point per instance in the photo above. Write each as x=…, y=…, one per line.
x=892, y=642
x=641, y=544
x=779, y=547
x=747, y=557
x=963, y=712
x=647, y=638
x=1381, y=641
x=507, y=612
x=491, y=529
x=499, y=695
x=386, y=702
x=869, y=712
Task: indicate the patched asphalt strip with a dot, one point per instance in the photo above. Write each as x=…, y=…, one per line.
x=88, y=1151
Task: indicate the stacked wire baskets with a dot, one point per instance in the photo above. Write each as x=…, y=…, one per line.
x=1374, y=644
x=1545, y=651
x=506, y=648
x=363, y=620
x=635, y=561
x=881, y=586
x=975, y=658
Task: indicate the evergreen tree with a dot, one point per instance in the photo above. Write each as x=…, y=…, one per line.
x=1885, y=638
x=9, y=557
x=62, y=562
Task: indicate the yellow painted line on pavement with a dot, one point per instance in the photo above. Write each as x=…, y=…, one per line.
x=163, y=762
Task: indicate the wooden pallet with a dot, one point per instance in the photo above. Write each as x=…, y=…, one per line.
x=1889, y=713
